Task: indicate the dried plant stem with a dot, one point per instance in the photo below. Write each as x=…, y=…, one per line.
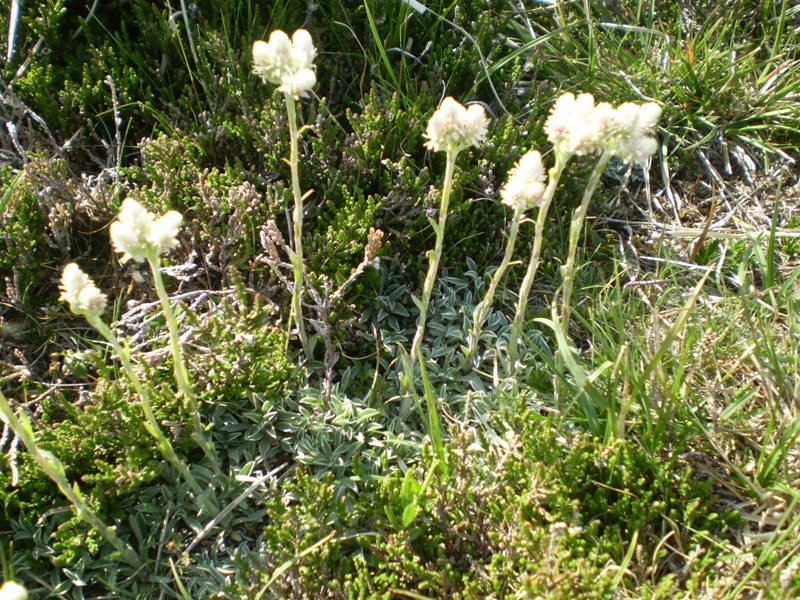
x=533, y=265
x=179, y=367
x=434, y=256
x=486, y=304
x=151, y=423
x=297, y=225
x=54, y=469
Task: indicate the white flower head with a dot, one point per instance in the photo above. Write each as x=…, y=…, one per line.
x=163, y=234
x=632, y=132
x=573, y=127
x=12, y=590
x=453, y=127
x=287, y=63
x=80, y=292
x=137, y=233
x=525, y=186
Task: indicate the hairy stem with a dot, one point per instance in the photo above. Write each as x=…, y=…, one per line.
x=575, y=227
x=179, y=367
x=486, y=304
x=297, y=225
x=151, y=423
x=435, y=255
x=533, y=265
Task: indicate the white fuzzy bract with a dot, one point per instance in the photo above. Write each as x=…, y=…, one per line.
x=578, y=126
x=163, y=234
x=570, y=126
x=525, y=186
x=137, y=233
x=453, y=127
x=83, y=296
x=632, y=137
x=287, y=63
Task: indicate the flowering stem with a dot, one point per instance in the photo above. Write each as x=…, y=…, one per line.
x=297, y=225
x=54, y=469
x=576, y=225
x=181, y=373
x=151, y=423
x=486, y=304
x=527, y=283
x=436, y=255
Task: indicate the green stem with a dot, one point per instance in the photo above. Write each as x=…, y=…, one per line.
x=533, y=265
x=434, y=256
x=568, y=270
x=151, y=423
x=179, y=367
x=54, y=469
x=486, y=304
x=575, y=228
x=297, y=225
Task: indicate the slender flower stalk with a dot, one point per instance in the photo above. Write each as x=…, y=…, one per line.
x=479, y=315
x=554, y=174
x=178, y=364
x=54, y=469
x=523, y=190
x=290, y=65
x=435, y=256
x=575, y=227
x=86, y=300
x=451, y=129
x=140, y=236
x=151, y=423
x=297, y=225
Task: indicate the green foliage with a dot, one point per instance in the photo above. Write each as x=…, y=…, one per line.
x=534, y=513
x=344, y=499
x=721, y=79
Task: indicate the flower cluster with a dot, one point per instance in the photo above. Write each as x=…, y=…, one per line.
x=287, y=63
x=453, y=127
x=577, y=126
x=525, y=186
x=78, y=289
x=137, y=233
x=633, y=126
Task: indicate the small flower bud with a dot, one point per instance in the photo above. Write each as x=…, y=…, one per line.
x=571, y=127
x=164, y=231
x=374, y=243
